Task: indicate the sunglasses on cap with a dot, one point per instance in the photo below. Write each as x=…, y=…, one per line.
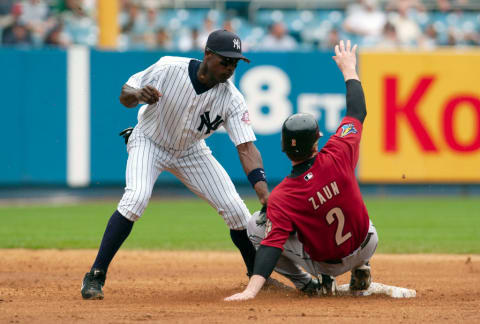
x=225, y=61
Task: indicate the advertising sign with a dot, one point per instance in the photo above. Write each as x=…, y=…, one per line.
x=423, y=122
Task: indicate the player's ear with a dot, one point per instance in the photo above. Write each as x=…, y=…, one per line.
x=315, y=147
x=207, y=53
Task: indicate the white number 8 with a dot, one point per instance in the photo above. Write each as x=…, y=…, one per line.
x=267, y=86
x=339, y=238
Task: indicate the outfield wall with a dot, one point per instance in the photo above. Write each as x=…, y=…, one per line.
x=61, y=115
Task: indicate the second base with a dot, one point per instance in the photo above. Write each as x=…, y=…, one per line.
x=378, y=289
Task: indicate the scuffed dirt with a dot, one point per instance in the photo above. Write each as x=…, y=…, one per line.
x=188, y=287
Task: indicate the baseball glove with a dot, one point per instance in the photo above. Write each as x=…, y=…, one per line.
x=262, y=216
x=126, y=133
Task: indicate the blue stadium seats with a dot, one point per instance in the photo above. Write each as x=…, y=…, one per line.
x=309, y=26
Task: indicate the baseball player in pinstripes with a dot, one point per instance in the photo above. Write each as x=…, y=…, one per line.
x=186, y=100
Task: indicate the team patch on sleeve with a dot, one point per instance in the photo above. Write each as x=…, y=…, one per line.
x=246, y=118
x=348, y=129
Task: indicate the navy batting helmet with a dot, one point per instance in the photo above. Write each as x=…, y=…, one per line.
x=299, y=134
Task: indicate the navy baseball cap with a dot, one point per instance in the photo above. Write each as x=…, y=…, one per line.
x=225, y=43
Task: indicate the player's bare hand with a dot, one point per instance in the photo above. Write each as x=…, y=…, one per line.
x=148, y=94
x=245, y=295
x=346, y=59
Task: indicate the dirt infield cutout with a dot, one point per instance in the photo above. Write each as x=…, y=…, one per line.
x=43, y=286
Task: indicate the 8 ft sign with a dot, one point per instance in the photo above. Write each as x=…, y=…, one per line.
x=423, y=121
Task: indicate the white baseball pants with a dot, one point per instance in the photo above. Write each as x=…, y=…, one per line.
x=195, y=167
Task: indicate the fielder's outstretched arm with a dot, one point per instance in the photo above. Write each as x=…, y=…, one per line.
x=347, y=62
x=252, y=164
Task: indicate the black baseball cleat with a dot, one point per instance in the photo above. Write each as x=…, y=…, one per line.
x=323, y=286
x=312, y=287
x=93, y=283
x=361, y=278
x=328, y=286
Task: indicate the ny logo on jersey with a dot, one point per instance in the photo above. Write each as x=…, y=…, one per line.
x=236, y=43
x=205, y=121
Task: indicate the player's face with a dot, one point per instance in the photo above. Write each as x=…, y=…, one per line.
x=220, y=67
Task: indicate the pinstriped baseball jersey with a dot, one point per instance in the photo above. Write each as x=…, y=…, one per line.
x=182, y=117
x=170, y=137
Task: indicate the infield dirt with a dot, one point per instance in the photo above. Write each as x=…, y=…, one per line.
x=43, y=286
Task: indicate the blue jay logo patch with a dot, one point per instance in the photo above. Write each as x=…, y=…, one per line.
x=348, y=129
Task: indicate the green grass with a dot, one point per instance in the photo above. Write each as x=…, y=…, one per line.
x=405, y=225
x=426, y=225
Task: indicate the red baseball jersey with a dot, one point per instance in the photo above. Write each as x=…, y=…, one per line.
x=324, y=204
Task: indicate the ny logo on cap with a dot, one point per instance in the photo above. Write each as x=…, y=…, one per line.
x=236, y=43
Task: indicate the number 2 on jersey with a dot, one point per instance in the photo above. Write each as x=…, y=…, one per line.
x=337, y=212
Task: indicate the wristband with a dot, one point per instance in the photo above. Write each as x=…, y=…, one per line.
x=256, y=175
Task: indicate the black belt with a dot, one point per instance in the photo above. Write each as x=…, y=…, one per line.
x=364, y=243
